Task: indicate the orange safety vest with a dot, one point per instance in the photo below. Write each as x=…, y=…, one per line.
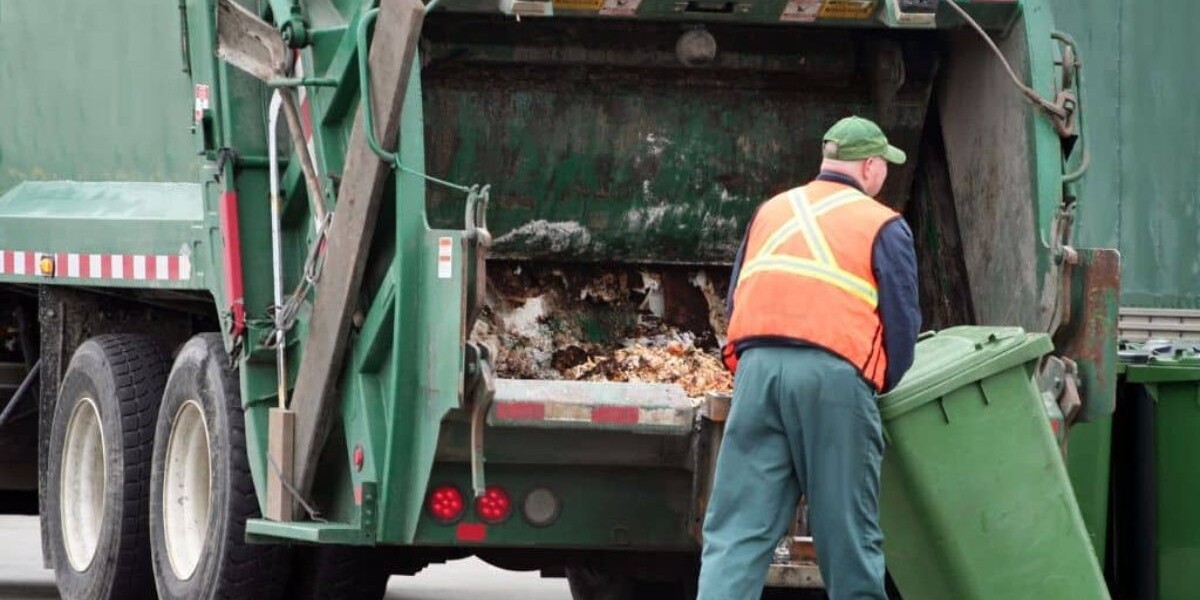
x=806, y=275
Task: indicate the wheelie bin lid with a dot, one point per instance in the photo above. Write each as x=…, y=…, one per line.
x=955, y=357
x=1160, y=362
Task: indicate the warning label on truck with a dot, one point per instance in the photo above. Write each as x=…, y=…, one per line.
x=801, y=11
x=588, y=5
x=445, y=258
x=848, y=9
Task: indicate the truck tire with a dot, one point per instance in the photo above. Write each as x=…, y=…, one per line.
x=337, y=573
x=201, y=492
x=100, y=443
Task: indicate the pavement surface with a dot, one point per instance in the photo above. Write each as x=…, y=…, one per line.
x=23, y=578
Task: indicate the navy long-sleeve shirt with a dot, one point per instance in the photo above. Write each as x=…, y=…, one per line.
x=894, y=262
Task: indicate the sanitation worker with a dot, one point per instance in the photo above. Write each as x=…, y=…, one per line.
x=823, y=317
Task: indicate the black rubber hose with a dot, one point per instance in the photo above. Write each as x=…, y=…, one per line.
x=21, y=391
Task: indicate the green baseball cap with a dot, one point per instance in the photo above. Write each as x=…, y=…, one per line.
x=856, y=138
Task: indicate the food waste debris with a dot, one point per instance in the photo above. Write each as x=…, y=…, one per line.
x=587, y=324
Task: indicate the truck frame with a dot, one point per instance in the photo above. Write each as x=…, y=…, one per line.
x=239, y=306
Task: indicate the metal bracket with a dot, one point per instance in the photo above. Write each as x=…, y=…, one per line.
x=479, y=239
x=481, y=391
x=1071, y=99
x=1089, y=326
x=476, y=215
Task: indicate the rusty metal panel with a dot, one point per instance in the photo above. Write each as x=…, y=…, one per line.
x=1089, y=333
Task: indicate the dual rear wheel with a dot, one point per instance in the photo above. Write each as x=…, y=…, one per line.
x=150, y=487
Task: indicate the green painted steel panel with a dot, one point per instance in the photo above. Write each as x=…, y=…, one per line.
x=1143, y=190
x=67, y=201
x=93, y=91
x=112, y=218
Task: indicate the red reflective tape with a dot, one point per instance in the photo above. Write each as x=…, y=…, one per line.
x=30, y=263
x=151, y=267
x=619, y=415
x=127, y=266
x=470, y=532
x=8, y=262
x=61, y=265
x=173, y=268
x=232, y=259
x=106, y=266
x=358, y=494
x=521, y=411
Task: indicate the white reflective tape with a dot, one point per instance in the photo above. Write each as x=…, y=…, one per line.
x=94, y=269
x=161, y=267
x=3, y=270
x=139, y=266
x=18, y=262
x=72, y=265
x=185, y=267
x=118, y=266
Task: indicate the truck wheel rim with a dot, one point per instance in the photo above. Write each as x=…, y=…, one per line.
x=82, y=484
x=186, y=490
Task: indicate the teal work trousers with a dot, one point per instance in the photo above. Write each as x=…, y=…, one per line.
x=802, y=422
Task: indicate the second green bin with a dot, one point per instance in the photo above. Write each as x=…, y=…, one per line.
x=975, y=501
x=1172, y=384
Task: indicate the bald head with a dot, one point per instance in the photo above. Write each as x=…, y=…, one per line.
x=870, y=173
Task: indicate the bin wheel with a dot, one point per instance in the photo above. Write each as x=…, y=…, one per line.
x=100, y=443
x=591, y=583
x=201, y=492
x=337, y=573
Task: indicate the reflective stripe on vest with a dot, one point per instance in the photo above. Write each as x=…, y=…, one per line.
x=807, y=275
x=823, y=266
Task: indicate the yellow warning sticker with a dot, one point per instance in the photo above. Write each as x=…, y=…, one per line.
x=588, y=5
x=848, y=9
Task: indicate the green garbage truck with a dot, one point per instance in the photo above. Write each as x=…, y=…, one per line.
x=302, y=294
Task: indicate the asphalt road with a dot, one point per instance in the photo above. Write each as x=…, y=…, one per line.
x=23, y=578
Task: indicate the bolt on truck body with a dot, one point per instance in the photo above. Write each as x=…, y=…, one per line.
x=293, y=275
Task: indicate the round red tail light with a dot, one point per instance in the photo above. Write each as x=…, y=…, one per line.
x=494, y=505
x=446, y=504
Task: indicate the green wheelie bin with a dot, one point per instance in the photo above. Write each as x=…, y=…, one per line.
x=975, y=502
x=1166, y=527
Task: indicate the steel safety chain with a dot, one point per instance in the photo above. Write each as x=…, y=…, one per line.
x=284, y=317
x=313, y=514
